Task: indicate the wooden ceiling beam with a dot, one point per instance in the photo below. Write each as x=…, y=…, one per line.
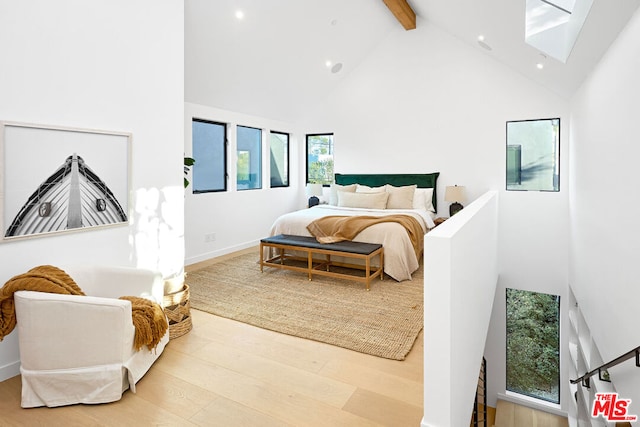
x=402, y=12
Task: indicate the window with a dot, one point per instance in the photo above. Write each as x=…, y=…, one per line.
x=533, y=344
x=533, y=155
x=279, y=147
x=249, y=172
x=209, y=145
x=552, y=26
x=320, y=158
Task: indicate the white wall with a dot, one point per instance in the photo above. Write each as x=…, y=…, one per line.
x=605, y=230
x=115, y=66
x=239, y=218
x=533, y=256
x=424, y=101
x=461, y=274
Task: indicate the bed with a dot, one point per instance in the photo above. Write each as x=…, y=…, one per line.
x=413, y=195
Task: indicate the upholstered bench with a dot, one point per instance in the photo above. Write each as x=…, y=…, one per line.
x=286, y=244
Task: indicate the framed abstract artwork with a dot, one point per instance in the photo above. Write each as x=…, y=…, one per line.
x=57, y=179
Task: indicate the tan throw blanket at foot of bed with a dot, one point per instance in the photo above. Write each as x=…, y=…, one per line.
x=148, y=317
x=337, y=228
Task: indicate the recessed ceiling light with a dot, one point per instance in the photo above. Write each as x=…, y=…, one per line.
x=540, y=65
x=328, y=64
x=334, y=22
x=482, y=43
x=239, y=14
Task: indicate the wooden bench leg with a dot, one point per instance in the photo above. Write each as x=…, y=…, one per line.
x=368, y=271
x=310, y=257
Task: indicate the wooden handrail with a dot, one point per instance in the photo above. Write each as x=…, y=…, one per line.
x=584, y=380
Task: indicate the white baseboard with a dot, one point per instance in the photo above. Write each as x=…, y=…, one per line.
x=209, y=255
x=10, y=370
x=423, y=423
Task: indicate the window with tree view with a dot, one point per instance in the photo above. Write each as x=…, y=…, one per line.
x=320, y=158
x=533, y=344
x=533, y=155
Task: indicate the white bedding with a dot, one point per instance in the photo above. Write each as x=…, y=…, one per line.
x=400, y=259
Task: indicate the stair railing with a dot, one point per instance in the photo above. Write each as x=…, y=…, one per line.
x=480, y=415
x=603, y=375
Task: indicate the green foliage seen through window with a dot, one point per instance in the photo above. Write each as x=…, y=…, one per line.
x=533, y=344
x=320, y=159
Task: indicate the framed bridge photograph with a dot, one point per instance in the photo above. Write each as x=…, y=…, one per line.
x=57, y=179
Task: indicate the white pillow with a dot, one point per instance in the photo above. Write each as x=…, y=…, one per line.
x=367, y=189
x=333, y=196
x=363, y=200
x=423, y=199
x=400, y=197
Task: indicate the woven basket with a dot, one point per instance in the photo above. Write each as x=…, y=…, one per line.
x=176, y=307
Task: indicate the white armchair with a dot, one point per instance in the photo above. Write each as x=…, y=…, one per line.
x=79, y=349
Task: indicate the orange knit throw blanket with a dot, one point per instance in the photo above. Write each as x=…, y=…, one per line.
x=148, y=317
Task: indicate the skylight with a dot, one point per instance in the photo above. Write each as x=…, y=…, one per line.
x=552, y=26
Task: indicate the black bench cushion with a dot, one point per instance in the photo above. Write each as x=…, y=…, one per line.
x=348, y=246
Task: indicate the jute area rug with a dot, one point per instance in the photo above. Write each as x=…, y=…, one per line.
x=383, y=322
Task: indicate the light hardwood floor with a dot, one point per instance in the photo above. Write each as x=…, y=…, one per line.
x=226, y=373
x=509, y=414
x=491, y=416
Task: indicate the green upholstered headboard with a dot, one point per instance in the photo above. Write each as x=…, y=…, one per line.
x=422, y=180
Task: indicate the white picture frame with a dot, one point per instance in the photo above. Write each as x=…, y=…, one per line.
x=57, y=179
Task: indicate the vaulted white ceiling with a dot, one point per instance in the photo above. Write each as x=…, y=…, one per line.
x=502, y=22
x=272, y=62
